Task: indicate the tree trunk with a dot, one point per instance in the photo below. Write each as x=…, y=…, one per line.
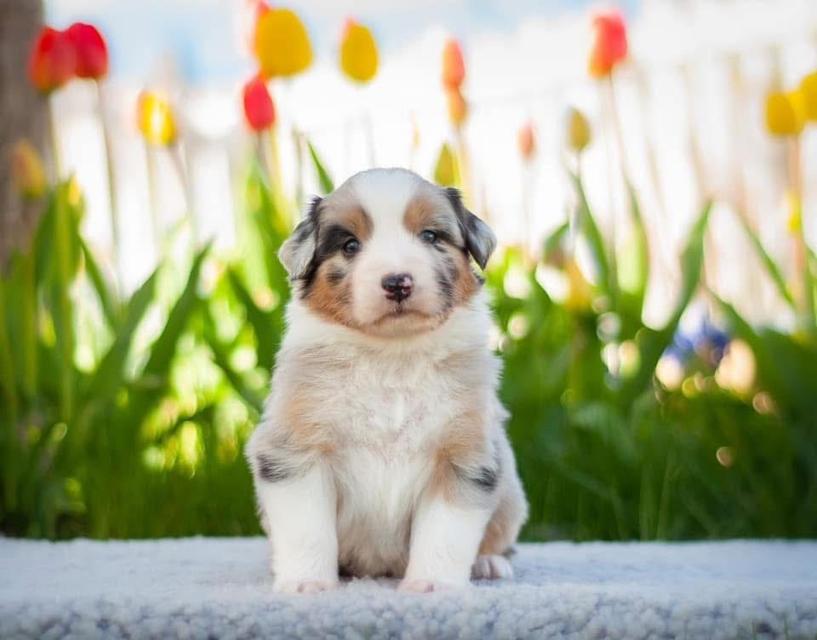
x=23, y=113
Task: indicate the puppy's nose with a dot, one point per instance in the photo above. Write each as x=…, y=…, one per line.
x=398, y=286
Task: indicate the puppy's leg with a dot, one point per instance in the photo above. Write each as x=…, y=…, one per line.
x=505, y=523
x=449, y=524
x=300, y=513
x=444, y=541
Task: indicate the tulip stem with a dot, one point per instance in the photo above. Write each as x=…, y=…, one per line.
x=276, y=179
x=617, y=128
x=55, y=142
x=801, y=263
x=113, y=201
x=178, y=158
x=150, y=157
x=611, y=180
x=464, y=168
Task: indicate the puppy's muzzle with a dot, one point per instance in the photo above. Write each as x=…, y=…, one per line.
x=398, y=286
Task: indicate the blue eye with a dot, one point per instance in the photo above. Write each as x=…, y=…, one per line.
x=429, y=236
x=351, y=247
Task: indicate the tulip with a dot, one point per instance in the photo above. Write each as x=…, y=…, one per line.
x=578, y=131
x=91, y=51
x=27, y=172
x=609, y=43
x=526, y=138
x=281, y=43
x=808, y=89
x=156, y=120
x=358, y=52
x=259, y=109
x=785, y=113
x=52, y=61
x=457, y=107
x=446, y=171
x=453, y=65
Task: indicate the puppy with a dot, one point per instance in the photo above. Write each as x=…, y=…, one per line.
x=382, y=449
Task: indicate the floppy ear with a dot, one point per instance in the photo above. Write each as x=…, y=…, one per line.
x=479, y=239
x=297, y=252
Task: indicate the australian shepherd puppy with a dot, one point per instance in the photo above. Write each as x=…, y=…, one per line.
x=382, y=449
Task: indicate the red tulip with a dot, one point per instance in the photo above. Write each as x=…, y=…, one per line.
x=609, y=43
x=453, y=65
x=52, y=60
x=91, y=51
x=259, y=110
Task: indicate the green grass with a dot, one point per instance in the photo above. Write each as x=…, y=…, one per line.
x=127, y=418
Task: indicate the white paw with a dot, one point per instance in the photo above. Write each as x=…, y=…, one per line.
x=410, y=585
x=491, y=568
x=304, y=586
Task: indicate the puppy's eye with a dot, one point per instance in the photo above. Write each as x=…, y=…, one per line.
x=429, y=236
x=351, y=247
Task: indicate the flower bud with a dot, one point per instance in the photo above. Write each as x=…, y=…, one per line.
x=259, y=109
x=27, y=172
x=785, y=113
x=453, y=65
x=578, y=131
x=52, y=61
x=156, y=120
x=358, y=52
x=609, y=43
x=91, y=51
x=281, y=43
x=526, y=138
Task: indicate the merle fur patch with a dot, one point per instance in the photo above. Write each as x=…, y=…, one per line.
x=272, y=469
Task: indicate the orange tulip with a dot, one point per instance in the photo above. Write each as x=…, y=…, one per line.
x=91, y=51
x=53, y=60
x=609, y=43
x=259, y=109
x=281, y=43
x=453, y=65
x=358, y=52
x=527, y=141
x=457, y=106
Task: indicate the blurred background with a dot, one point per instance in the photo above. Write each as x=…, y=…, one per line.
x=646, y=166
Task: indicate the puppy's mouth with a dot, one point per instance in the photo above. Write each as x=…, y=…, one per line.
x=399, y=311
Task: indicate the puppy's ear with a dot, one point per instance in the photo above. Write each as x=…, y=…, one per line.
x=479, y=239
x=297, y=252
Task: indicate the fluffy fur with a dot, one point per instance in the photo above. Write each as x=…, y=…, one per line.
x=382, y=449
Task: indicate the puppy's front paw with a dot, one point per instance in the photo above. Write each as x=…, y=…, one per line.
x=304, y=586
x=418, y=585
x=491, y=567
x=410, y=585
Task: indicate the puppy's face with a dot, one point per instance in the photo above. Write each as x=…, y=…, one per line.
x=387, y=253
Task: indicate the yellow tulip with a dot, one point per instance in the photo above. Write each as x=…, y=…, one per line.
x=578, y=131
x=785, y=113
x=446, y=172
x=358, y=52
x=27, y=171
x=580, y=292
x=156, y=120
x=808, y=89
x=281, y=43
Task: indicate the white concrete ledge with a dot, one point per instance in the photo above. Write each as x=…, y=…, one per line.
x=220, y=588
